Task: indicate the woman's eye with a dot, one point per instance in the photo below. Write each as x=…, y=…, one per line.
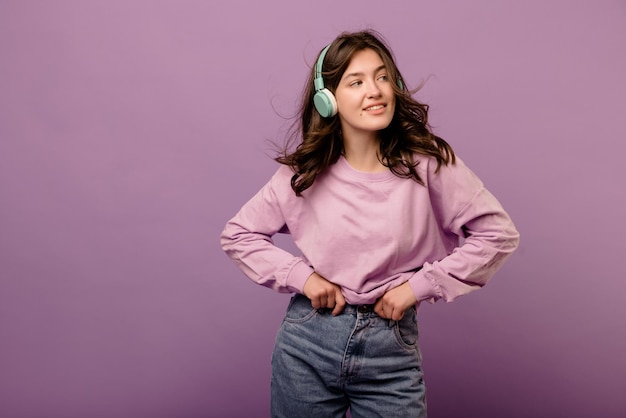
x=356, y=83
x=383, y=77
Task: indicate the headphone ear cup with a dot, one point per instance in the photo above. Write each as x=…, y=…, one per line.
x=325, y=103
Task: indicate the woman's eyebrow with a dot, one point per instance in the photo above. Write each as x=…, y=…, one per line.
x=361, y=74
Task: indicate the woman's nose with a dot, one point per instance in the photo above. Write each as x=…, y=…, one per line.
x=373, y=90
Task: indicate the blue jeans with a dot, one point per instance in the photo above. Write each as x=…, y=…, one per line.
x=323, y=364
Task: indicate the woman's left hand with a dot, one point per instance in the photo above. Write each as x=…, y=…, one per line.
x=395, y=302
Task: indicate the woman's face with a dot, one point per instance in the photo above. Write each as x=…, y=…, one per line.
x=365, y=97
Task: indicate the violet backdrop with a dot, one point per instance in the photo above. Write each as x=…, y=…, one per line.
x=131, y=130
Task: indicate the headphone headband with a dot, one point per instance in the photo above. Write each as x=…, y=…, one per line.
x=323, y=100
x=319, y=80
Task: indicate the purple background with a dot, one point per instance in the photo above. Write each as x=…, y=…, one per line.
x=131, y=130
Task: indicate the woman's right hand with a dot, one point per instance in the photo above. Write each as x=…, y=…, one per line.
x=324, y=294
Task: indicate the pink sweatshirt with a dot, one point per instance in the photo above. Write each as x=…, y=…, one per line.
x=370, y=232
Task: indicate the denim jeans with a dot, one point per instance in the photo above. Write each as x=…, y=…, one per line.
x=323, y=364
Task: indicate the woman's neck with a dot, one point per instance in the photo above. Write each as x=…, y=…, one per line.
x=362, y=155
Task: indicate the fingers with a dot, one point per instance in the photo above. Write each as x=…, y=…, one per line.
x=318, y=301
x=395, y=302
x=378, y=308
x=322, y=298
x=340, y=302
x=396, y=315
x=388, y=311
x=324, y=294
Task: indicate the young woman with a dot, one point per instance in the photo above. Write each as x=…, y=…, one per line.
x=385, y=216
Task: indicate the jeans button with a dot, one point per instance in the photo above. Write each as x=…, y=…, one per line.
x=364, y=309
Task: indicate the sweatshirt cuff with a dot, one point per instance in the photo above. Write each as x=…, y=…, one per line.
x=423, y=289
x=298, y=275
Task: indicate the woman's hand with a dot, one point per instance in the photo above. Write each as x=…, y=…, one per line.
x=395, y=302
x=324, y=294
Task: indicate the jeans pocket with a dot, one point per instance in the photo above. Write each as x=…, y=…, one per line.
x=300, y=310
x=406, y=330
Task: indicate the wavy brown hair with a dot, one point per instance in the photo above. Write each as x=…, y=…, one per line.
x=321, y=145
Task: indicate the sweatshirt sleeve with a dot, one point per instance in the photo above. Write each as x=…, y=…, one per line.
x=487, y=235
x=247, y=239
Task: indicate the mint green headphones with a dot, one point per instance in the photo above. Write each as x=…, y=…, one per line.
x=324, y=100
